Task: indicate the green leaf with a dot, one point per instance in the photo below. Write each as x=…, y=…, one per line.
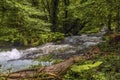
x=80, y=68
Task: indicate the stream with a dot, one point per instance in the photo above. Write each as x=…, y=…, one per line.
x=18, y=59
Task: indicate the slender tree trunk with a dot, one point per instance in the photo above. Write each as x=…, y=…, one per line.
x=54, y=12
x=66, y=22
x=66, y=2
x=51, y=6
x=109, y=22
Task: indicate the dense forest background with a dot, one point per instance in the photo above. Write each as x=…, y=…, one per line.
x=33, y=22
x=30, y=23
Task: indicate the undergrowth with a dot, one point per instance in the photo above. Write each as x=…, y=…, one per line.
x=101, y=67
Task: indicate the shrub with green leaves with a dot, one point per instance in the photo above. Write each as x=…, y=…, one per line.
x=101, y=68
x=24, y=24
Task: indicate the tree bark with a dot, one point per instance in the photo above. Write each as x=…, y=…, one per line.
x=66, y=2
x=54, y=13
x=54, y=70
x=109, y=22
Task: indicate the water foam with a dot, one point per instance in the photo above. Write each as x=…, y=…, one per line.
x=10, y=55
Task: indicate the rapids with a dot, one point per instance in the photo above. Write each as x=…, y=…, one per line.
x=18, y=59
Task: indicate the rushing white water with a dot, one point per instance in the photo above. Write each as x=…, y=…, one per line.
x=9, y=55
x=22, y=59
x=9, y=59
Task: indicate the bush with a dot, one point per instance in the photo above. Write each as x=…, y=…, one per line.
x=92, y=70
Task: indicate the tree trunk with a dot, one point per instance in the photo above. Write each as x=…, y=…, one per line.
x=52, y=8
x=109, y=22
x=54, y=13
x=54, y=71
x=66, y=2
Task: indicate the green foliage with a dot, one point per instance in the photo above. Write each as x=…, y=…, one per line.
x=37, y=18
x=2, y=78
x=103, y=68
x=24, y=24
x=49, y=58
x=52, y=36
x=106, y=47
x=90, y=30
x=95, y=13
x=8, y=35
x=45, y=58
x=81, y=68
x=36, y=39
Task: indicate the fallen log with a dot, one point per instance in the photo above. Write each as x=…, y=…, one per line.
x=50, y=72
x=53, y=71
